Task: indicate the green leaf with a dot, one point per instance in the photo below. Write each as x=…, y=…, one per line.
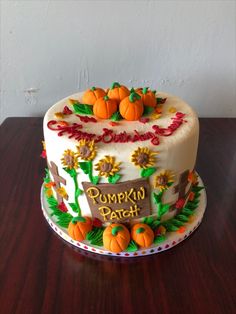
x=159, y=239
x=52, y=201
x=95, y=179
x=187, y=211
x=73, y=207
x=148, y=220
x=132, y=247
x=182, y=217
x=177, y=222
x=197, y=188
x=162, y=209
x=83, y=108
x=116, y=116
x=114, y=179
x=147, y=110
x=95, y=236
x=71, y=172
x=147, y=172
x=86, y=166
x=155, y=224
x=157, y=197
x=78, y=192
x=160, y=100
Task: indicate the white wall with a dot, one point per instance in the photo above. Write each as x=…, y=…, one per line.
x=50, y=49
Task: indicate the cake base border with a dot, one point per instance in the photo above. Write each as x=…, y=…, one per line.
x=173, y=238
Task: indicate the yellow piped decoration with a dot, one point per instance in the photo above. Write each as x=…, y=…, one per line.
x=62, y=192
x=107, y=166
x=143, y=157
x=69, y=159
x=49, y=192
x=172, y=110
x=59, y=115
x=162, y=180
x=86, y=150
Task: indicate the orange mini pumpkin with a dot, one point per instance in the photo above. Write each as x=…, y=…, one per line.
x=131, y=108
x=118, y=92
x=104, y=107
x=79, y=227
x=92, y=95
x=148, y=96
x=142, y=234
x=116, y=238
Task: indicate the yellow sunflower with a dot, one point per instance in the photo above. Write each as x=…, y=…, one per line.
x=86, y=150
x=107, y=166
x=163, y=180
x=143, y=157
x=69, y=159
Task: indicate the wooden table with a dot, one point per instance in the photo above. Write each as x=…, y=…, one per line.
x=40, y=273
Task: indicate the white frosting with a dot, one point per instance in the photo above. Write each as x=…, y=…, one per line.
x=176, y=152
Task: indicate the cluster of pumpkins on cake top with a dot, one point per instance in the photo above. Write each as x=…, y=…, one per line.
x=130, y=103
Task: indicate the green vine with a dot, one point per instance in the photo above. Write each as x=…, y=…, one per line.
x=75, y=206
x=87, y=168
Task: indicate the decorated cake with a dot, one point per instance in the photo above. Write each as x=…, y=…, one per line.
x=120, y=175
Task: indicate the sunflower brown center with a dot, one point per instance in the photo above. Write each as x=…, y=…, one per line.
x=162, y=180
x=106, y=167
x=69, y=160
x=84, y=151
x=142, y=159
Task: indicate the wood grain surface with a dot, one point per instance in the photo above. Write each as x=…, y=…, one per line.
x=40, y=273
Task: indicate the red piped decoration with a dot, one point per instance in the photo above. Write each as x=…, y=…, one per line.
x=176, y=123
x=97, y=223
x=144, y=120
x=86, y=119
x=112, y=123
x=66, y=110
x=62, y=207
x=109, y=136
x=43, y=154
x=180, y=203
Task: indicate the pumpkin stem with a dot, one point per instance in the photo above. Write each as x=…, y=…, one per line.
x=134, y=96
x=115, y=84
x=116, y=229
x=154, y=92
x=93, y=88
x=78, y=219
x=132, y=90
x=140, y=230
x=106, y=97
x=145, y=89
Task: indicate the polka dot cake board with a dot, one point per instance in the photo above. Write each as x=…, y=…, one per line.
x=172, y=238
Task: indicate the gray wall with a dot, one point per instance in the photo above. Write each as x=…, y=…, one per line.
x=50, y=49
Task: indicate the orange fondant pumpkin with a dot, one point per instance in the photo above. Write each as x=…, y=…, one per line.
x=104, y=107
x=118, y=92
x=131, y=108
x=148, y=96
x=92, y=95
x=142, y=234
x=116, y=238
x=79, y=227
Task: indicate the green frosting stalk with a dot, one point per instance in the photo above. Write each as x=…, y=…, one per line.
x=115, y=230
x=133, y=97
x=93, y=88
x=106, y=97
x=145, y=90
x=140, y=230
x=76, y=219
x=114, y=85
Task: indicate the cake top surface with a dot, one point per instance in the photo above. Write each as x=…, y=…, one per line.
x=71, y=118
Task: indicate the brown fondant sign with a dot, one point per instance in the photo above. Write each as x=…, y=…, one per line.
x=120, y=201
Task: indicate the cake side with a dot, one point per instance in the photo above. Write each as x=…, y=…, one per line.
x=122, y=172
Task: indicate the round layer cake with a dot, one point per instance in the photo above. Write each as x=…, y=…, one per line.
x=117, y=173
